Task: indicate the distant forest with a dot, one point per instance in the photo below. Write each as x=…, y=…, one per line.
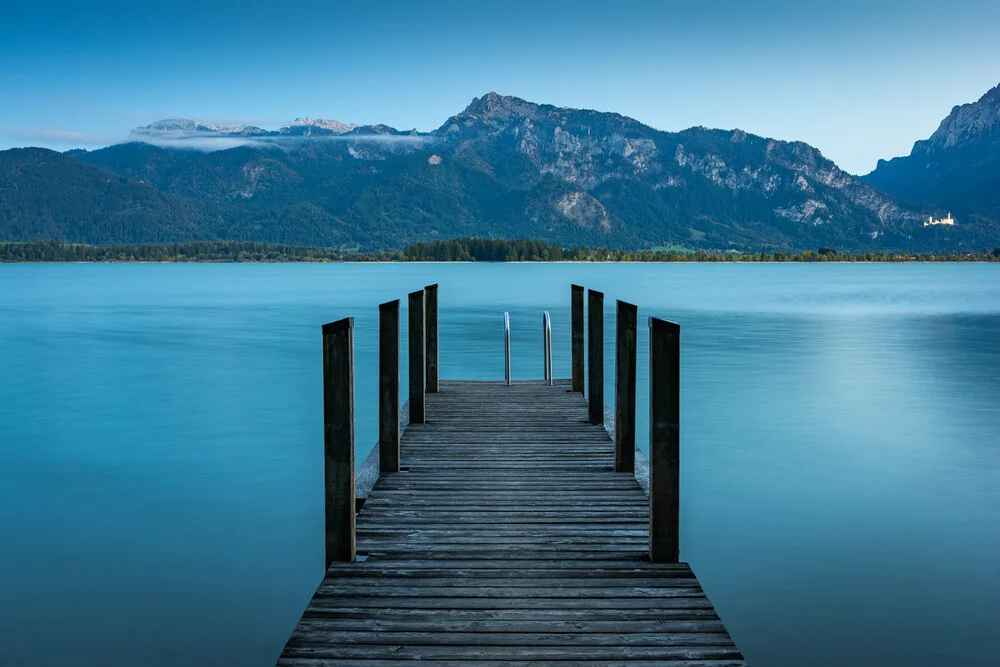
x=527, y=250
x=456, y=250
x=53, y=251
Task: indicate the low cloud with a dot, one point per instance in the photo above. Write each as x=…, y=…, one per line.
x=208, y=143
x=205, y=143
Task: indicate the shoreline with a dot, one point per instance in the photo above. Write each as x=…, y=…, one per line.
x=529, y=262
x=466, y=250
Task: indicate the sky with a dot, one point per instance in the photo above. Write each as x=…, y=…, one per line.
x=858, y=80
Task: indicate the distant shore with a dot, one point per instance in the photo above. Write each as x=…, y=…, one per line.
x=457, y=250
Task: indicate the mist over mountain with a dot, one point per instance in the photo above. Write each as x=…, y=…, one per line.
x=956, y=168
x=502, y=167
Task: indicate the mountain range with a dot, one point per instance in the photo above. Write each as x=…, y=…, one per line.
x=957, y=168
x=505, y=168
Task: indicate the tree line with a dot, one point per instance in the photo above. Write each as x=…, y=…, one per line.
x=206, y=251
x=455, y=250
x=527, y=250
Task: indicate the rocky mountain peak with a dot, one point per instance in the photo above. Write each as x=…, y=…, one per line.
x=494, y=109
x=173, y=125
x=967, y=123
x=335, y=126
x=184, y=127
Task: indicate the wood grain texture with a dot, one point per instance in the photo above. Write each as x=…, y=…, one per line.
x=338, y=439
x=368, y=472
x=664, y=440
x=595, y=355
x=416, y=350
x=507, y=538
x=431, y=333
x=388, y=386
x=625, y=359
x=576, y=325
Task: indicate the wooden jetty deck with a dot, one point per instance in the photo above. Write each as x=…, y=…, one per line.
x=507, y=537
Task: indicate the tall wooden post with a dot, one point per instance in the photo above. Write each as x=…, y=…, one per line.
x=664, y=440
x=416, y=353
x=595, y=355
x=431, y=318
x=388, y=386
x=338, y=439
x=506, y=347
x=625, y=344
x=576, y=293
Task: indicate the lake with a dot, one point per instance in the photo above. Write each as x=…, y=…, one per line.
x=161, y=453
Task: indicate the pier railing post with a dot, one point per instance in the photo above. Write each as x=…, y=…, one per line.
x=576, y=322
x=416, y=354
x=547, y=346
x=664, y=440
x=595, y=355
x=338, y=439
x=388, y=386
x=431, y=332
x=506, y=347
x=625, y=344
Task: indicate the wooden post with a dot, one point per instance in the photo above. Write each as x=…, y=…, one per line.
x=547, y=347
x=595, y=355
x=664, y=440
x=506, y=347
x=416, y=352
x=338, y=439
x=625, y=344
x=576, y=293
x=388, y=386
x=431, y=317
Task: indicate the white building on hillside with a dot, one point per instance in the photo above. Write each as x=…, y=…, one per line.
x=944, y=221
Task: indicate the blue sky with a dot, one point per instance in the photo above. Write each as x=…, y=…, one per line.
x=858, y=80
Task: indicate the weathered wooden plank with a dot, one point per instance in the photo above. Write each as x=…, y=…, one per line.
x=527, y=495
x=576, y=615
x=521, y=604
x=614, y=652
x=365, y=476
x=646, y=566
x=511, y=553
x=428, y=624
x=525, y=500
x=483, y=535
x=407, y=518
x=504, y=483
x=679, y=587
x=445, y=580
x=505, y=569
x=318, y=633
x=389, y=662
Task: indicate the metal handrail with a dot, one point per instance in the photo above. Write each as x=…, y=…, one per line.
x=547, y=345
x=506, y=346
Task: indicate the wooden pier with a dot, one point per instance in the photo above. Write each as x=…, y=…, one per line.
x=506, y=535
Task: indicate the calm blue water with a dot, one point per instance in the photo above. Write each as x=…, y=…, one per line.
x=160, y=449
